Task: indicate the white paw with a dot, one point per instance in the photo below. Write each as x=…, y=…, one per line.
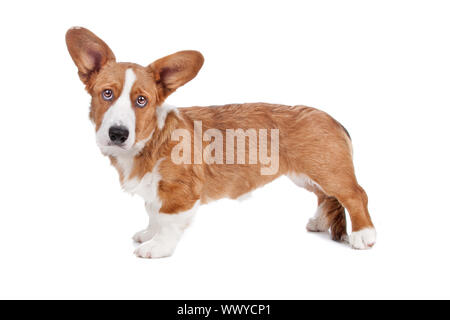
x=319, y=223
x=344, y=238
x=316, y=225
x=144, y=235
x=154, y=249
x=363, y=239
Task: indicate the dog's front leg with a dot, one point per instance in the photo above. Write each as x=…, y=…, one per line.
x=152, y=228
x=169, y=231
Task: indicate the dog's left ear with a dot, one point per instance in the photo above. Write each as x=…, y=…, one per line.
x=175, y=70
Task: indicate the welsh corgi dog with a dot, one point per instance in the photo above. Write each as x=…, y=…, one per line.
x=178, y=159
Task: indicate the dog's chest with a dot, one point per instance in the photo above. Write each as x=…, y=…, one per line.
x=146, y=187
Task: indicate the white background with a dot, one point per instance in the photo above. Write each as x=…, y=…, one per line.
x=382, y=68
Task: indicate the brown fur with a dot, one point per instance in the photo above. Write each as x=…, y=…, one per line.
x=311, y=142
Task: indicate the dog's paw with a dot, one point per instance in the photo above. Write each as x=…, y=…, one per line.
x=154, y=249
x=344, y=238
x=363, y=239
x=317, y=224
x=144, y=235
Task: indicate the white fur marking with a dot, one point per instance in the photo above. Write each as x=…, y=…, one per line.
x=147, y=187
x=120, y=113
x=141, y=144
x=170, y=230
x=363, y=239
x=125, y=164
x=162, y=112
x=302, y=180
x=153, y=226
x=320, y=221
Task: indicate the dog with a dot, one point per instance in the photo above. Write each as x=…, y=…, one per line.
x=150, y=144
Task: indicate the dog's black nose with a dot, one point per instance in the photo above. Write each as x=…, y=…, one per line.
x=118, y=135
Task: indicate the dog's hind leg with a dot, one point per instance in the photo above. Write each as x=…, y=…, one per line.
x=330, y=214
x=343, y=187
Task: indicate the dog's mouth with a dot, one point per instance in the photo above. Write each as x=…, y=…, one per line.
x=121, y=146
x=113, y=149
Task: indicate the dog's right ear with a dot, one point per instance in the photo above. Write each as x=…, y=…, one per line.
x=89, y=52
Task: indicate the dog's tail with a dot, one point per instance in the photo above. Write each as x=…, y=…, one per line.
x=336, y=218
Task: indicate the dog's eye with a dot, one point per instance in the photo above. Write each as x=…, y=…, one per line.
x=141, y=101
x=107, y=94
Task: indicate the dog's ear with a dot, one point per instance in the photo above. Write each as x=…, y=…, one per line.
x=175, y=70
x=88, y=51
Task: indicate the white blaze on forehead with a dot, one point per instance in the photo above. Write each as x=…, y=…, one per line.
x=130, y=78
x=162, y=112
x=121, y=113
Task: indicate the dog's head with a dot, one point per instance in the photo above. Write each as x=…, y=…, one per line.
x=126, y=96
